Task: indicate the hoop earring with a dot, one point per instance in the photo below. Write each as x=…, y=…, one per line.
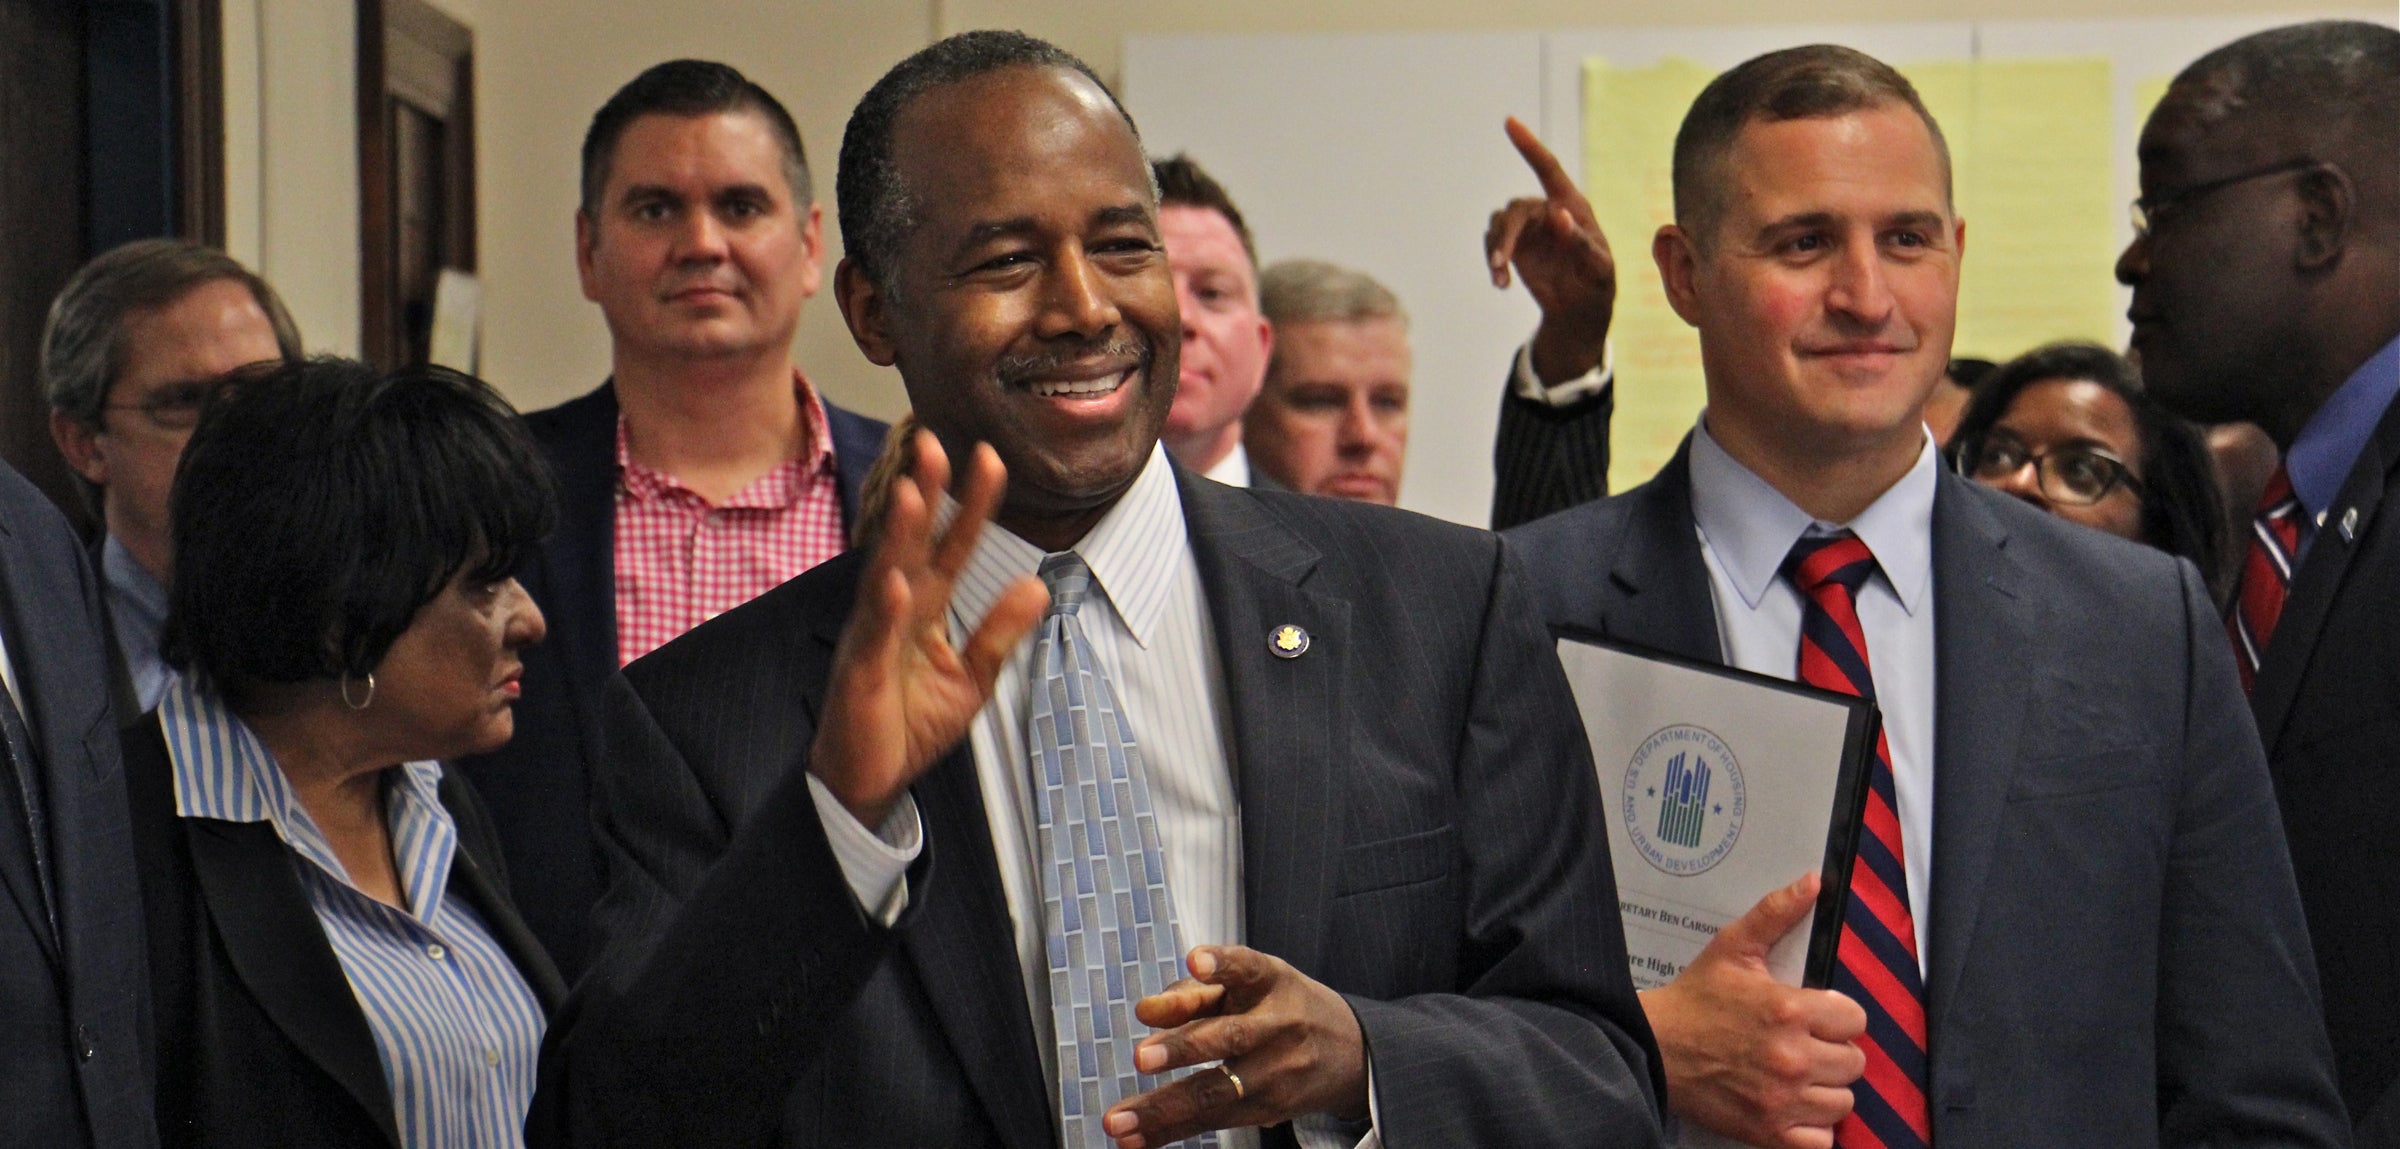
x=362, y=703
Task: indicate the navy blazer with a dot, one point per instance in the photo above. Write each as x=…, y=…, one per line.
x=1419, y=832
x=74, y=1062
x=2117, y=956
x=261, y=1042
x=2329, y=710
x=538, y=787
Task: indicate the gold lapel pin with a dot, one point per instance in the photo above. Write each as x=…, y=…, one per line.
x=1287, y=641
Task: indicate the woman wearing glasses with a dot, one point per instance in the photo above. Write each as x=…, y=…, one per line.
x=334, y=958
x=2067, y=428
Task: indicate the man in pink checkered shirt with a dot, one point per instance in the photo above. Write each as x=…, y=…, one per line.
x=704, y=472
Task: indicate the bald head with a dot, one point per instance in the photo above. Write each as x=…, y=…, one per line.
x=2269, y=265
x=2332, y=86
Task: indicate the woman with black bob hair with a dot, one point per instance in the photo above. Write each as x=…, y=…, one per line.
x=334, y=957
x=2068, y=428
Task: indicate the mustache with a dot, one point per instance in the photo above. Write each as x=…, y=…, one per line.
x=1131, y=345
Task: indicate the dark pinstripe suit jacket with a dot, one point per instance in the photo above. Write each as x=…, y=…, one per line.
x=1419, y=833
x=2117, y=956
x=1546, y=459
x=538, y=787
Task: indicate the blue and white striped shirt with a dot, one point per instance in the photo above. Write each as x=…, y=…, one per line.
x=456, y=1024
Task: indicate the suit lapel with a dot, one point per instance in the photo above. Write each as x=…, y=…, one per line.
x=1983, y=625
x=1291, y=723
x=1657, y=591
x=2319, y=580
x=38, y=704
x=581, y=559
x=959, y=938
x=278, y=949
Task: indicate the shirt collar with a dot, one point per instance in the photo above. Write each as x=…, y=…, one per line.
x=224, y=772
x=1750, y=526
x=133, y=585
x=1234, y=469
x=1133, y=552
x=780, y=487
x=2325, y=450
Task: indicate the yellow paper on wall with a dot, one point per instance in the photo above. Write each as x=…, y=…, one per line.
x=2030, y=146
x=1629, y=121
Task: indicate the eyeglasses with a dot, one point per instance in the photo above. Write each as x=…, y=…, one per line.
x=176, y=406
x=2074, y=475
x=2149, y=211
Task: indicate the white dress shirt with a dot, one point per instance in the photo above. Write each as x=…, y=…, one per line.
x=1747, y=527
x=1149, y=627
x=1234, y=469
x=1527, y=385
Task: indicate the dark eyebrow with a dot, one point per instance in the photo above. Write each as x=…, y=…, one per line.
x=1124, y=214
x=1928, y=220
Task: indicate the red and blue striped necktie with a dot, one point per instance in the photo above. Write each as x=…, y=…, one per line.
x=2266, y=576
x=1877, y=960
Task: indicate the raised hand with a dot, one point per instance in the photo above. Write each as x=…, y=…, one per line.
x=1290, y=1043
x=1553, y=242
x=1748, y=1056
x=901, y=696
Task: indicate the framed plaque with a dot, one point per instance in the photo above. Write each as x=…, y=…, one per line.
x=1720, y=786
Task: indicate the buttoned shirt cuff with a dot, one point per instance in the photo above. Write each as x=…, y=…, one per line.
x=1524, y=384
x=1318, y=1131
x=874, y=862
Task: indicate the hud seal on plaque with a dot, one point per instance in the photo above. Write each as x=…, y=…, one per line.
x=1683, y=802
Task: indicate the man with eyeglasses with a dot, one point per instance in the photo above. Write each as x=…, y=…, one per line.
x=2070, y=920
x=136, y=343
x=2265, y=270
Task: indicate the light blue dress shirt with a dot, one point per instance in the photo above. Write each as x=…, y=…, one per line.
x=1747, y=527
x=137, y=612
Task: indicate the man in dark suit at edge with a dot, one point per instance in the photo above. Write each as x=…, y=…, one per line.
x=2266, y=288
x=2072, y=920
x=704, y=471
x=833, y=888
x=74, y=1062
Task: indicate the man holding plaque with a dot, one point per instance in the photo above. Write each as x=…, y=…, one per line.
x=2071, y=920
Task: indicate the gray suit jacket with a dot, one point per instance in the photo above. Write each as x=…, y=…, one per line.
x=2117, y=953
x=1420, y=832
x=74, y=1063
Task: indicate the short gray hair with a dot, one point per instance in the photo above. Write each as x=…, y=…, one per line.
x=1314, y=291
x=83, y=342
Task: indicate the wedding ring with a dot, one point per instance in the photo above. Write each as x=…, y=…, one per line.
x=1238, y=1092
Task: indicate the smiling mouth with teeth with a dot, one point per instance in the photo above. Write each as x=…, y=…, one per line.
x=1075, y=388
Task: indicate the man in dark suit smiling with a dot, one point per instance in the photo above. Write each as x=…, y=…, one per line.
x=882, y=873
x=2071, y=921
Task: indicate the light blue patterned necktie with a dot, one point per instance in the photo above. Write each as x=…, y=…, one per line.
x=1108, y=922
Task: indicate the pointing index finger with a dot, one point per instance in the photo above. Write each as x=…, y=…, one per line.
x=1556, y=184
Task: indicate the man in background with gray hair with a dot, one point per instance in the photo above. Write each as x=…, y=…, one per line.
x=135, y=345
x=1332, y=418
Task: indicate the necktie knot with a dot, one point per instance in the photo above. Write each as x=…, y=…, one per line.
x=1069, y=580
x=1818, y=561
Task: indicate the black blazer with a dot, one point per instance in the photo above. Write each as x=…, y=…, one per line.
x=539, y=786
x=2328, y=706
x=1419, y=831
x=74, y=1065
x=1546, y=459
x=260, y=1040
x=2117, y=956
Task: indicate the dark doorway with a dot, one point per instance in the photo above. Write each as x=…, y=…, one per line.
x=110, y=122
x=416, y=153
